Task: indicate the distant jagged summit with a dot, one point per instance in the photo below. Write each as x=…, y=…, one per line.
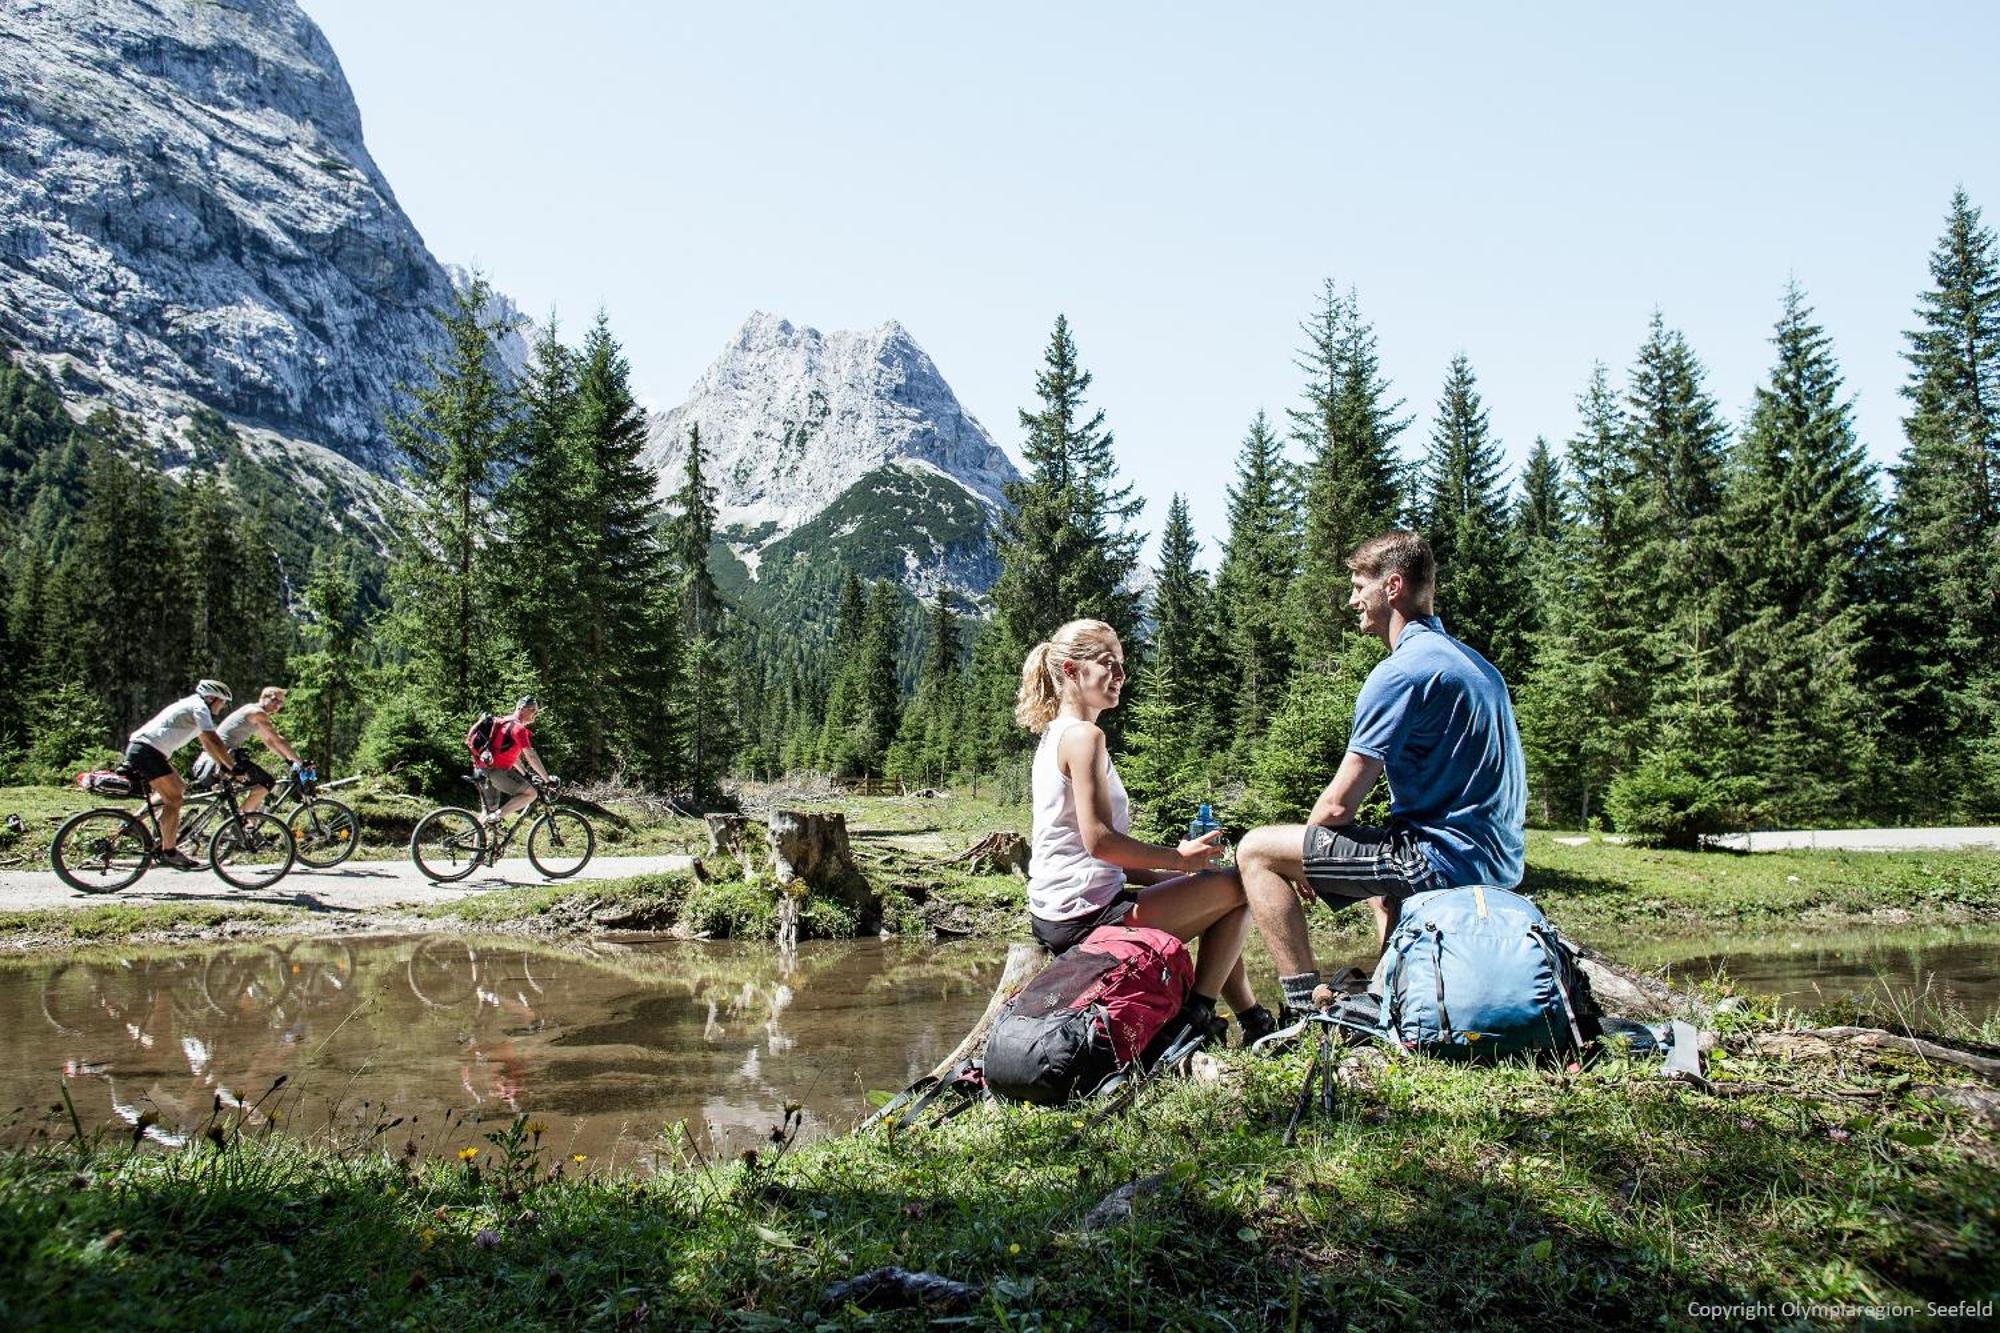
x=188, y=212
x=792, y=417
x=833, y=452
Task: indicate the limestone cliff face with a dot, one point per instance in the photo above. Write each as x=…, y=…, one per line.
x=841, y=448
x=188, y=213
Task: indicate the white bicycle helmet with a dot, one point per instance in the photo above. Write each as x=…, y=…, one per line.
x=214, y=689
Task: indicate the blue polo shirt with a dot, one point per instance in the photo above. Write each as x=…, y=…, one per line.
x=1436, y=714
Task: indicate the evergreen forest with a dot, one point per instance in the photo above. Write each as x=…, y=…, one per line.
x=1706, y=624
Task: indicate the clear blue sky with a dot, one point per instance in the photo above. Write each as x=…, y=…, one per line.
x=1522, y=183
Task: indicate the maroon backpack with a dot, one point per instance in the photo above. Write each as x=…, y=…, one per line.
x=1092, y=1012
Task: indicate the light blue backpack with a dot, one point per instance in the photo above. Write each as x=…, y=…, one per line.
x=1480, y=971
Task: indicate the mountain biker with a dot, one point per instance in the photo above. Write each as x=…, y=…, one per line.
x=237, y=731
x=507, y=745
x=149, y=754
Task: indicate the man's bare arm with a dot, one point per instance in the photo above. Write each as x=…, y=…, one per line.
x=1341, y=800
x=266, y=729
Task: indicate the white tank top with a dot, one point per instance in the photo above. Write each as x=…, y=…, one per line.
x=1064, y=880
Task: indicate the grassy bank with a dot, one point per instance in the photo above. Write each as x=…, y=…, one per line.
x=1434, y=1195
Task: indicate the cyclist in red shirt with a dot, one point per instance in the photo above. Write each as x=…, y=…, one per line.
x=509, y=744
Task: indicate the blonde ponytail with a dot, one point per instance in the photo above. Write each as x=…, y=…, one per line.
x=1041, y=693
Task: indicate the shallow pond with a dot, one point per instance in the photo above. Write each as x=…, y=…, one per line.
x=607, y=1044
x=1920, y=975
x=610, y=1043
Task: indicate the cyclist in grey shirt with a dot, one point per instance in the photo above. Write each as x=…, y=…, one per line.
x=248, y=723
x=149, y=754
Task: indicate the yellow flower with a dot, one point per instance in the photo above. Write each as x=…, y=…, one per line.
x=467, y=1154
x=428, y=1236
x=578, y=1158
x=537, y=1128
x=1014, y=1248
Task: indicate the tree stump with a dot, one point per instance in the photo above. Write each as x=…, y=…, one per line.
x=997, y=854
x=726, y=838
x=812, y=848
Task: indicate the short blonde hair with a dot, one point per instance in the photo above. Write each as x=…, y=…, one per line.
x=1040, y=698
x=268, y=694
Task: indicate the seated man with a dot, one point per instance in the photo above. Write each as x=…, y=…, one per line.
x=1434, y=715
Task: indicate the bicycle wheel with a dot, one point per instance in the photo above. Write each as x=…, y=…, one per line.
x=560, y=843
x=101, y=851
x=443, y=972
x=326, y=833
x=447, y=844
x=240, y=983
x=252, y=851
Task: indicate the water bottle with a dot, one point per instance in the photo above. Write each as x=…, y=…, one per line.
x=1204, y=823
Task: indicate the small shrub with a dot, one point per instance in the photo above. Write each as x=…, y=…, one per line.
x=1665, y=803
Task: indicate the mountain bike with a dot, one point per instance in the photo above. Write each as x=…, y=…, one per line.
x=108, y=849
x=325, y=831
x=450, y=843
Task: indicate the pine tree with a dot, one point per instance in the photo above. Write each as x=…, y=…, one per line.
x=1259, y=561
x=1584, y=703
x=1675, y=568
x=1353, y=479
x=543, y=521
x=1066, y=548
x=623, y=561
x=1175, y=727
x=1947, y=518
x=1462, y=511
x=1542, y=513
x=327, y=677
x=1803, y=521
x=926, y=738
x=460, y=428
x=704, y=678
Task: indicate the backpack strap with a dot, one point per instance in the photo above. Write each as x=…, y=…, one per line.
x=1562, y=987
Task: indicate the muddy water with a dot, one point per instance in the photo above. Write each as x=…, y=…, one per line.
x=1920, y=974
x=606, y=1044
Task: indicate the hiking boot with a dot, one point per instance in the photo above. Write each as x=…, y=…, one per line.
x=1257, y=1022
x=177, y=859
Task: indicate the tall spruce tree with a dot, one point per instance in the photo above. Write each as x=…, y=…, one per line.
x=328, y=675
x=926, y=738
x=623, y=560
x=544, y=524
x=705, y=692
x=1803, y=523
x=1176, y=725
x=459, y=429
x=1347, y=427
x=1067, y=548
x=1461, y=509
x=1584, y=703
x=1947, y=520
x=1675, y=568
x=1259, y=561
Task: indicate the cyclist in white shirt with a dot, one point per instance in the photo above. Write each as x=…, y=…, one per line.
x=236, y=732
x=149, y=754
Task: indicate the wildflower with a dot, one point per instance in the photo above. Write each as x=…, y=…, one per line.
x=467, y=1154
x=578, y=1158
x=537, y=1128
x=1839, y=1135
x=428, y=1236
x=487, y=1238
x=1014, y=1248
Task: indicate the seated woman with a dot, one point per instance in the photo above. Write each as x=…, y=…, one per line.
x=1082, y=859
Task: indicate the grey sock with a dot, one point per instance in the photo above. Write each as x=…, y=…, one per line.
x=1299, y=989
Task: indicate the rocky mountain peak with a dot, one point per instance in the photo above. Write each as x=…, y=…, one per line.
x=791, y=418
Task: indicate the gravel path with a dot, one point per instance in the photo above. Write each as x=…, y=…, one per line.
x=358, y=886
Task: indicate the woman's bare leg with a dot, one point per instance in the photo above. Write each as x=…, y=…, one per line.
x=1207, y=905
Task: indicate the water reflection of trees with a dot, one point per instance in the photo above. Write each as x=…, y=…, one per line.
x=727, y=1034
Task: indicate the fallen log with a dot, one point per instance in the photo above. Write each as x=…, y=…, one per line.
x=1024, y=961
x=1823, y=1041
